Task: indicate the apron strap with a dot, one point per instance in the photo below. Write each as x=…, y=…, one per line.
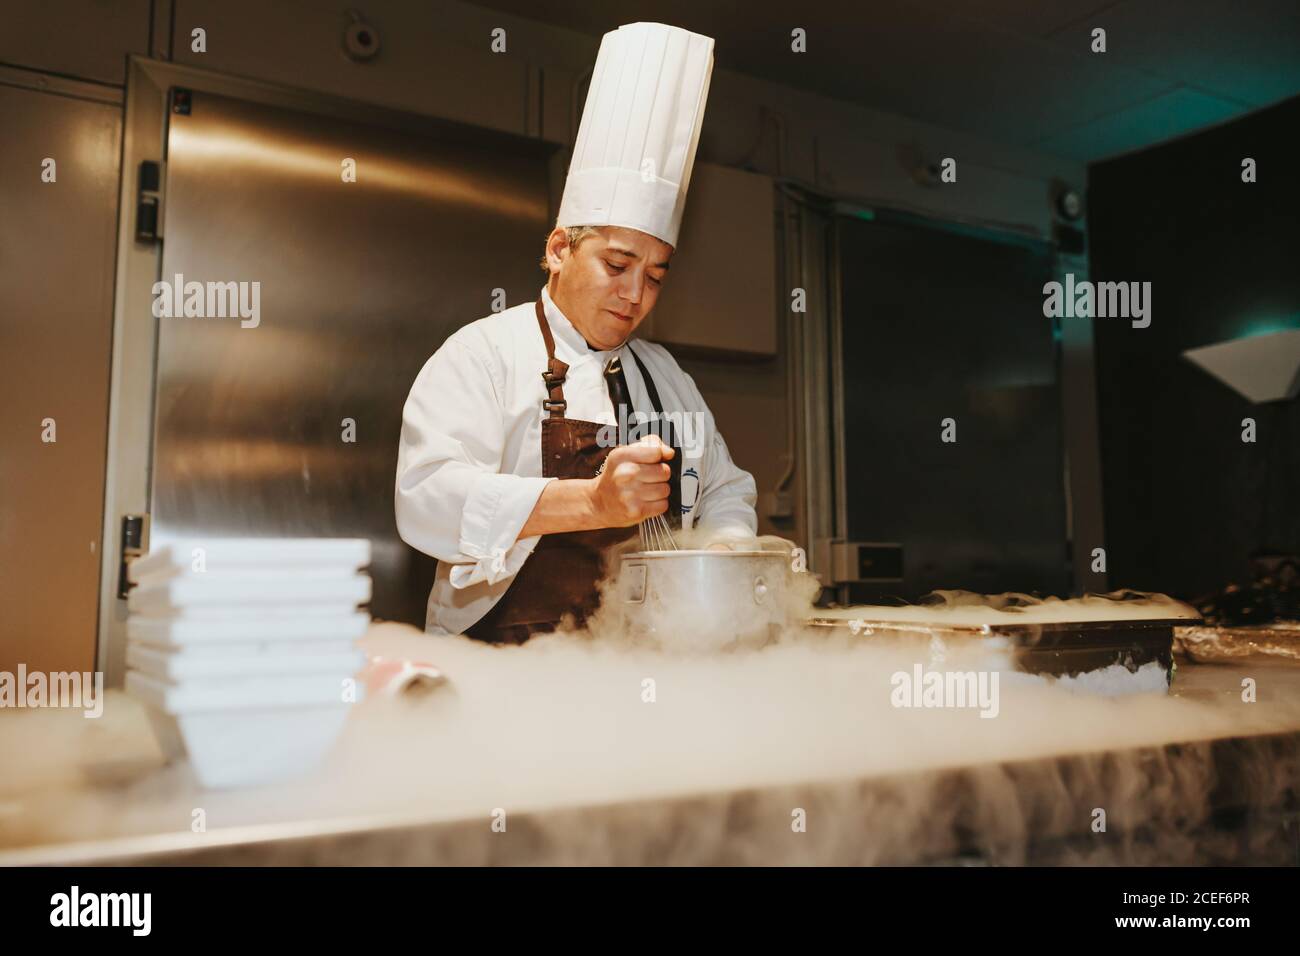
x=555, y=370
x=674, y=513
x=654, y=395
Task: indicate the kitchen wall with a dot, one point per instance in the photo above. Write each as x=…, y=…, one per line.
x=434, y=59
x=1186, y=500
x=58, y=228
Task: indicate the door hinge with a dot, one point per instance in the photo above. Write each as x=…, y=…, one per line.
x=148, y=202
x=135, y=542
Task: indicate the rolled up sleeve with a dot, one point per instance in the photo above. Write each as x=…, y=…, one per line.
x=451, y=500
x=496, y=508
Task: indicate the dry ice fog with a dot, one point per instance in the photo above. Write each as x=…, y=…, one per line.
x=605, y=715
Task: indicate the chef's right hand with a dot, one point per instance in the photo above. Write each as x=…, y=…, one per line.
x=634, y=483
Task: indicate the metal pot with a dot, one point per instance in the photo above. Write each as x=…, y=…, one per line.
x=704, y=599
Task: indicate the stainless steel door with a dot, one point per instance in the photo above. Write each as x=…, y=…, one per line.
x=287, y=424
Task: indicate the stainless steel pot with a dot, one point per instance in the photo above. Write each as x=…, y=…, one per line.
x=704, y=599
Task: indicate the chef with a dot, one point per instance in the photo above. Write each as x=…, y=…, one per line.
x=537, y=438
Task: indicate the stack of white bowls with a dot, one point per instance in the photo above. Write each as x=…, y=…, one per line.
x=244, y=650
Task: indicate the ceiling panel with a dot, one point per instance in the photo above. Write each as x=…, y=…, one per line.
x=1246, y=51
x=1003, y=86
x=1263, y=75
x=1036, y=18
x=1173, y=114
x=1016, y=71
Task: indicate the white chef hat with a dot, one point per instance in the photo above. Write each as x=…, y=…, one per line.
x=636, y=145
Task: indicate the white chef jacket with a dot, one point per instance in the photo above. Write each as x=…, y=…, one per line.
x=469, y=464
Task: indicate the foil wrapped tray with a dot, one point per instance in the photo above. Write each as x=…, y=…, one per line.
x=1053, y=649
x=1205, y=644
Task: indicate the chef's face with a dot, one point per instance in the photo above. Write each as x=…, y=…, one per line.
x=609, y=283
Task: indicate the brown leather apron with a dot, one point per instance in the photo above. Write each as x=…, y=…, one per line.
x=563, y=573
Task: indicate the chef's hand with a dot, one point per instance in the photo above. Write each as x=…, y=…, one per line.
x=634, y=483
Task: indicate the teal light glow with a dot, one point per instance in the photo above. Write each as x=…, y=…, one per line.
x=1268, y=326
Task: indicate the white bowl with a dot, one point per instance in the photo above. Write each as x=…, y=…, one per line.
x=248, y=747
x=242, y=589
x=243, y=660
x=246, y=625
x=246, y=731
x=272, y=554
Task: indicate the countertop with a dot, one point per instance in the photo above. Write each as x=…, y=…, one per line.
x=591, y=753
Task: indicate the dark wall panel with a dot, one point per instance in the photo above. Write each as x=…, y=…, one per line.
x=945, y=325
x=1186, y=500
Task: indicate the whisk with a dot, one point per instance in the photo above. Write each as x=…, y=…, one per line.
x=656, y=535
